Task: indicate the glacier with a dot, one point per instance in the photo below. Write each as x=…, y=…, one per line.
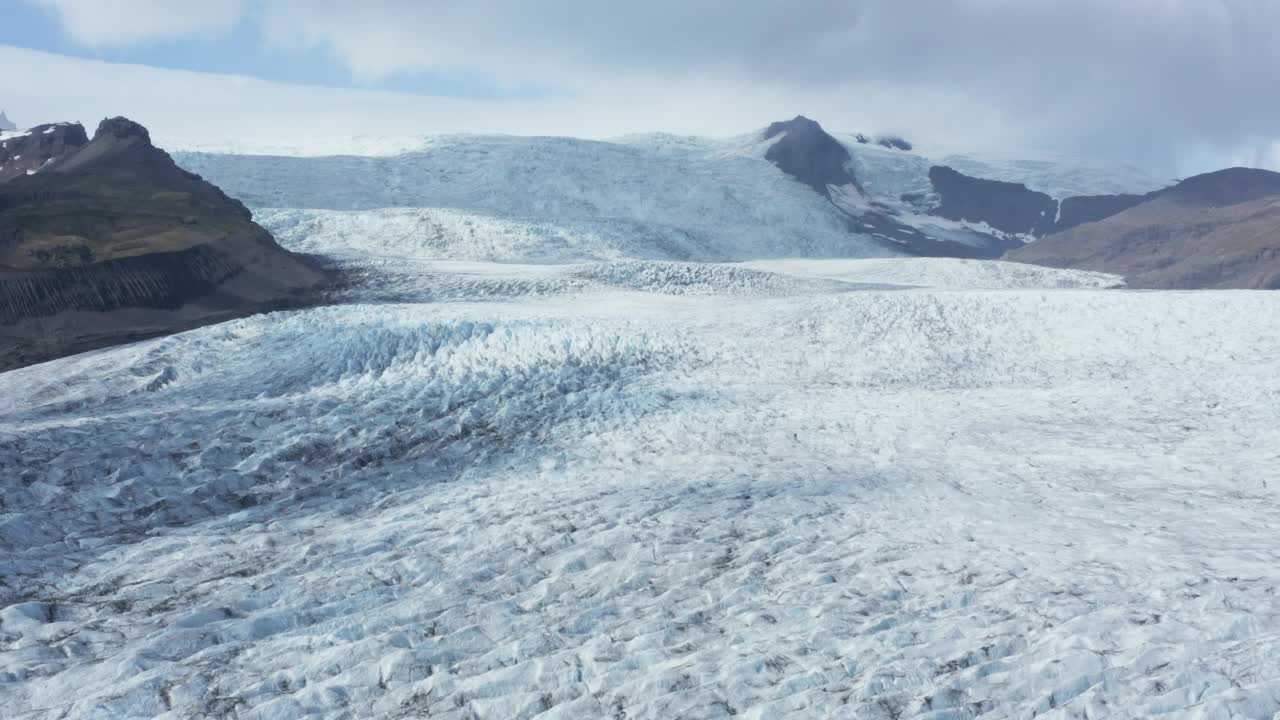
x=651, y=490
x=655, y=196
x=515, y=199
x=533, y=460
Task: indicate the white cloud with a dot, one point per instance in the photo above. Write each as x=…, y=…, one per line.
x=1134, y=79
x=571, y=42
x=190, y=105
x=101, y=23
x=1166, y=84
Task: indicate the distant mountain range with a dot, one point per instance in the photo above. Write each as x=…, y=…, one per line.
x=999, y=214
x=791, y=190
x=107, y=240
x=1217, y=230
x=680, y=198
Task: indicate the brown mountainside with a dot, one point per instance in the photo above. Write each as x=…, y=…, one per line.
x=110, y=241
x=1218, y=230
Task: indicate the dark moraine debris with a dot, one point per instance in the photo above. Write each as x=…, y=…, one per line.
x=809, y=154
x=109, y=241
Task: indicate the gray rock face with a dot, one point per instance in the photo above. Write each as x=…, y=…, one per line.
x=38, y=149
x=893, y=142
x=1005, y=206
x=6, y=123
x=164, y=281
x=1092, y=208
x=122, y=128
x=807, y=153
x=111, y=241
x=1014, y=208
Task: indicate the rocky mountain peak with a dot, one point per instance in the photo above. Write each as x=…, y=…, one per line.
x=37, y=149
x=122, y=128
x=6, y=123
x=798, y=125
x=809, y=154
x=112, y=241
x=121, y=147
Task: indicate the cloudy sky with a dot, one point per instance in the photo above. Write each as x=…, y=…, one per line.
x=1174, y=86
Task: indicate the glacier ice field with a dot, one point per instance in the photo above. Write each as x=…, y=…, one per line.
x=627, y=487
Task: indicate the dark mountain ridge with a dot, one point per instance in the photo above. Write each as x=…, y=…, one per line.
x=1219, y=229
x=108, y=241
x=1016, y=209
x=1005, y=206
x=27, y=153
x=1216, y=230
x=806, y=152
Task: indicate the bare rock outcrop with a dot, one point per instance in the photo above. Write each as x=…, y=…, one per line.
x=108, y=241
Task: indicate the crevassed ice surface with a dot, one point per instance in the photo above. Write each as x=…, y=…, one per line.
x=655, y=196
x=519, y=199
x=656, y=490
x=886, y=170
x=590, y=482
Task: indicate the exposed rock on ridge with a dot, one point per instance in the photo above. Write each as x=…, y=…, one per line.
x=807, y=153
x=1005, y=206
x=34, y=151
x=111, y=241
x=1078, y=210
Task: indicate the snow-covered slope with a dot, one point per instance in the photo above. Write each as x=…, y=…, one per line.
x=751, y=499
x=942, y=273
x=892, y=172
x=311, y=146
x=658, y=196
x=521, y=199
x=1058, y=176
